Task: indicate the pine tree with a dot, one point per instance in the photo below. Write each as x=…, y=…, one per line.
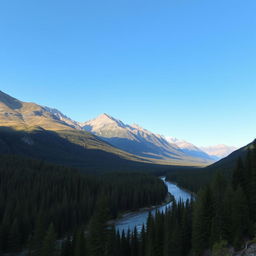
x=227, y=213
x=79, y=243
x=218, y=190
x=14, y=239
x=1, y=239
x=240, y=217
x=37, y=238
x=238, y=178
x=134, y=243
x=252, y=199
x=98, y=229
x=110, y=241
x=142, y=244
x=202, y=218
x=49, y=243
x=150, y=238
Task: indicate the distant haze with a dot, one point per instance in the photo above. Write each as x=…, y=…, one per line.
x=219, y=150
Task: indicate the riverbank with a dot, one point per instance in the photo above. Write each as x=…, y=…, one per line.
x=183, y=188
x=128, y=221
x=168, y=199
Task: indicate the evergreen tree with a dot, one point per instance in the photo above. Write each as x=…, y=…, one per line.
x=37, y=239
x=134, y=243
x=14, y=239
x=202, y=217
x=142, y=242
x=240, y=217
x=49, y=243
x=79, y=243
x=110, y=241
x=238, y=178
x=98, y=229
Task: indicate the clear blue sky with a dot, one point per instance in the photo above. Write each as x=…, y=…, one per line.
x=181, y=68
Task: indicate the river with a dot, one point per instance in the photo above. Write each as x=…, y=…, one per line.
x=132, y=219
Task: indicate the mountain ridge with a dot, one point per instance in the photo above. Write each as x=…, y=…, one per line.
x=29, y=122
x=137, y=140
x=131, y=141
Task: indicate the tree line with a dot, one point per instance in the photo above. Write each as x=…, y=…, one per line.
x=39, y=201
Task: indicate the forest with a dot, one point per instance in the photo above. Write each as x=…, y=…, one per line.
x=51, y=210
x=35, y=195
x=218, y=222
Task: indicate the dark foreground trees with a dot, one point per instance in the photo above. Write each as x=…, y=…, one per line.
x=78, y=206
x=34, y=195
x=222, y=216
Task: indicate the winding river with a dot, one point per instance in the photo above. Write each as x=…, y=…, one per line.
x=132, y=219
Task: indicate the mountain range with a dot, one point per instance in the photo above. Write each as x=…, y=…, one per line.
x=44, y=131
x=139, y=141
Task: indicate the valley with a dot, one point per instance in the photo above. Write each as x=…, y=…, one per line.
x=63, y=180
x=127, y=128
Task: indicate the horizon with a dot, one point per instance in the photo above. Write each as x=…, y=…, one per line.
x=172, y=67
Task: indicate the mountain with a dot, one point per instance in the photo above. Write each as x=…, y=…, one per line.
x=61, y=117
x=139, y=141
x=25, y=115
x=196, y=178
x=189, y=148
x=218, y=151
x=229, y=162
x=45, y=133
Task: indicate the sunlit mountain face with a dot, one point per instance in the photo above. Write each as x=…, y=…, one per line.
x=129, y=141
x=139, y=141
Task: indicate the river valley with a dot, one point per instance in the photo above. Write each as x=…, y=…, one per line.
x=129, y=220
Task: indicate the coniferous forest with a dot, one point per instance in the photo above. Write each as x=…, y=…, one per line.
x=220, y=220
x=53, y=210
x=35, y=195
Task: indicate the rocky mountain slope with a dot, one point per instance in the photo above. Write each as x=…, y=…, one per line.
x=189, y=148
x=139, y=141
x=45, y=133
x=103, y=133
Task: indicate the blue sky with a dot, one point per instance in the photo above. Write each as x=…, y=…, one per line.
x=180, y=68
